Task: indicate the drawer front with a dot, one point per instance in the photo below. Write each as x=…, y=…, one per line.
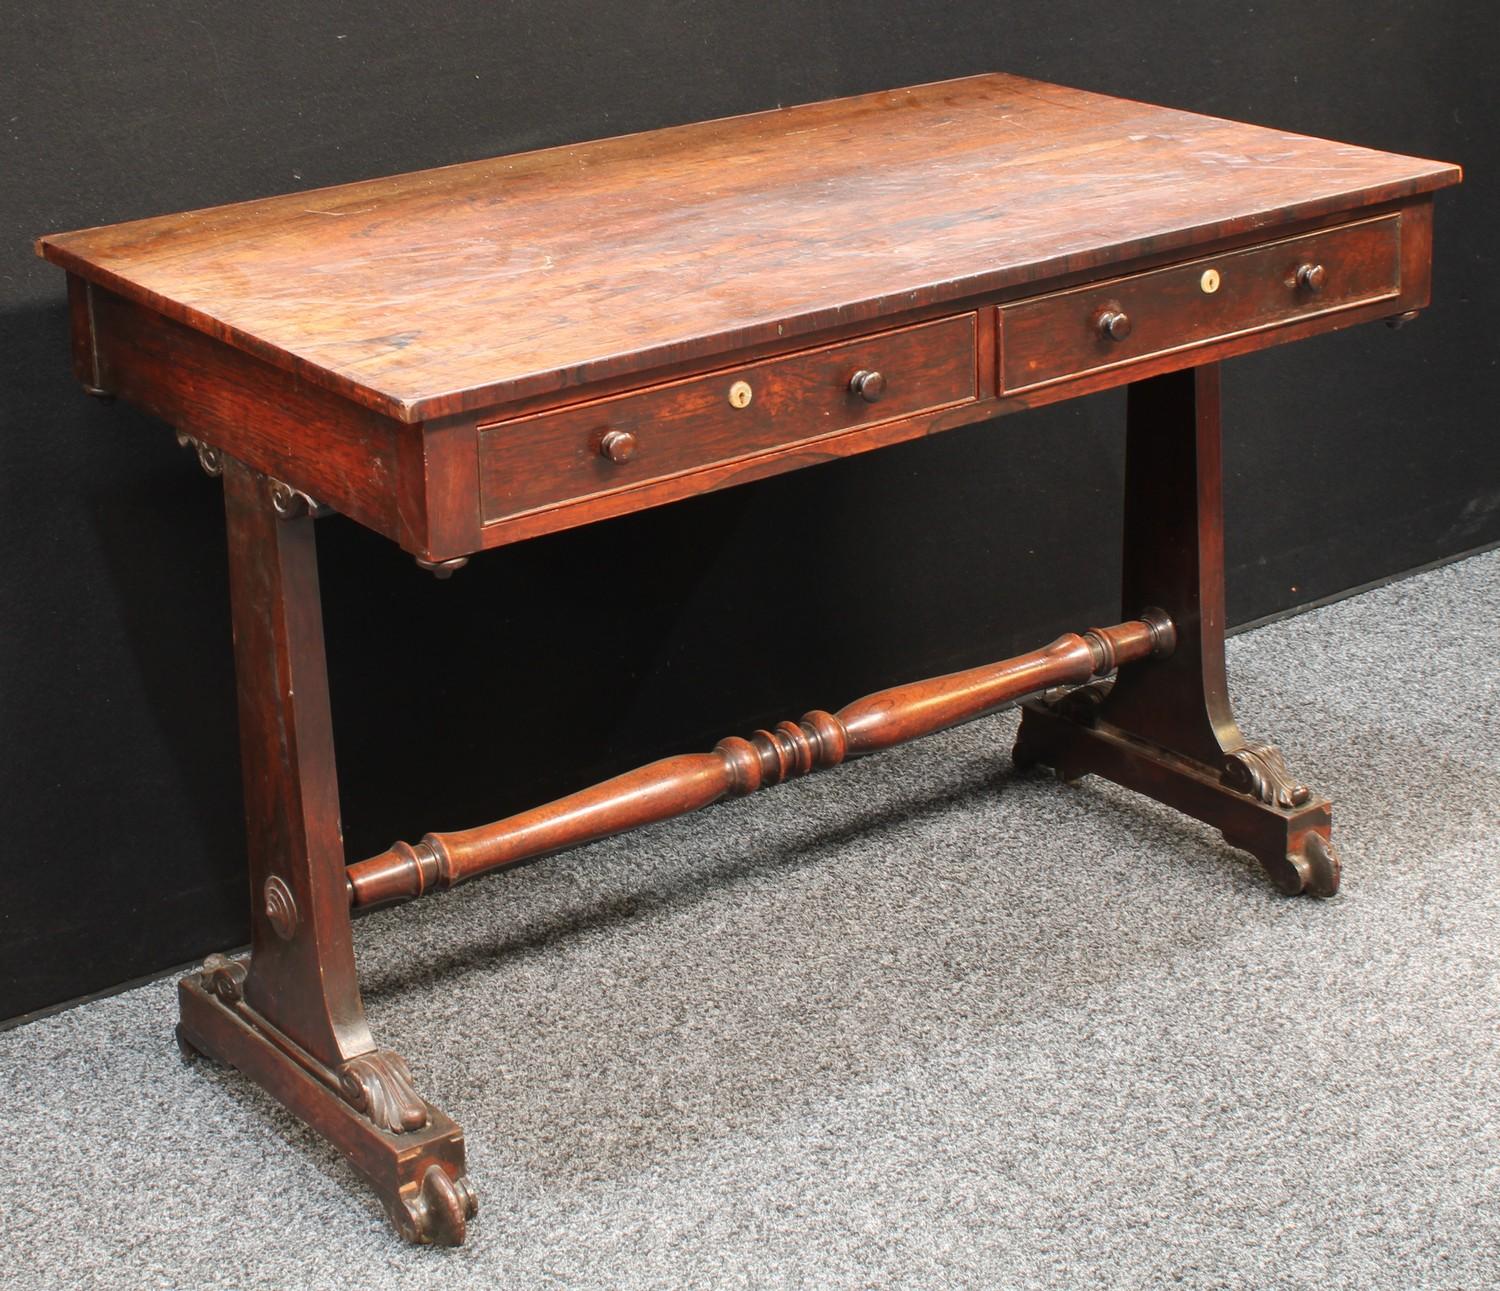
x=1124, y=320
x=627, y=440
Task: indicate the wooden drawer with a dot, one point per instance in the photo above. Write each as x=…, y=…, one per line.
x=550, y=457
x=1065, y=334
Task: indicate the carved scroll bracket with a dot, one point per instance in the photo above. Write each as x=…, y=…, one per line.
x=1260, y=771
x=289, y=503
x=209, y=457
x=286, y=501
x=379, y=1084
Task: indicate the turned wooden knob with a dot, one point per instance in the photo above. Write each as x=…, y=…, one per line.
x=1113, y=324
x=1310, y=277
x=617, y=445
x=868, y=384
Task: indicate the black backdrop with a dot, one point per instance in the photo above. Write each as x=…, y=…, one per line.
x=1350, y=458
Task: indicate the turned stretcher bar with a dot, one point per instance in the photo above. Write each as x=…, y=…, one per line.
x=677, y=785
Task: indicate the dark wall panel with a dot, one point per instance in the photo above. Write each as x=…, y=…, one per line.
x=1350, y=458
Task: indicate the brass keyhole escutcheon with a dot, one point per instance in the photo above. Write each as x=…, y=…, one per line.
x=1209, y=282
x=740, y=394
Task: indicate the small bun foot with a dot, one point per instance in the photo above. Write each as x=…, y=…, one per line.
x=439, y=1212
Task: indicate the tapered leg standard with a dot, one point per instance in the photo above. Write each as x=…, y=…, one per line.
x=1165, y=727
x=291, y=1017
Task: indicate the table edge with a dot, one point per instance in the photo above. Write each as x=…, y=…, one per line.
x=1427, y=176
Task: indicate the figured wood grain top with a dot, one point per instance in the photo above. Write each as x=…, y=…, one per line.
x=447, y=290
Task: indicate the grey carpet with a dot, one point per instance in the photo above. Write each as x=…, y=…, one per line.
x=912, y=1023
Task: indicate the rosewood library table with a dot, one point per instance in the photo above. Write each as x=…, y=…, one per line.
x=468, y=357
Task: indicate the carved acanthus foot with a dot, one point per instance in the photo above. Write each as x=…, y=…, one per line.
x=438, y=1213
x=379, y=1084
x=1260, y=771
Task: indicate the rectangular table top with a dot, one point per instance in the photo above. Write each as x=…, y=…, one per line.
x=447, y=290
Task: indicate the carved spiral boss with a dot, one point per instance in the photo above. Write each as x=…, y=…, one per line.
x=678, y=785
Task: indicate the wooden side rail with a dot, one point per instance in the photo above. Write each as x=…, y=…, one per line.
x=677, y=785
